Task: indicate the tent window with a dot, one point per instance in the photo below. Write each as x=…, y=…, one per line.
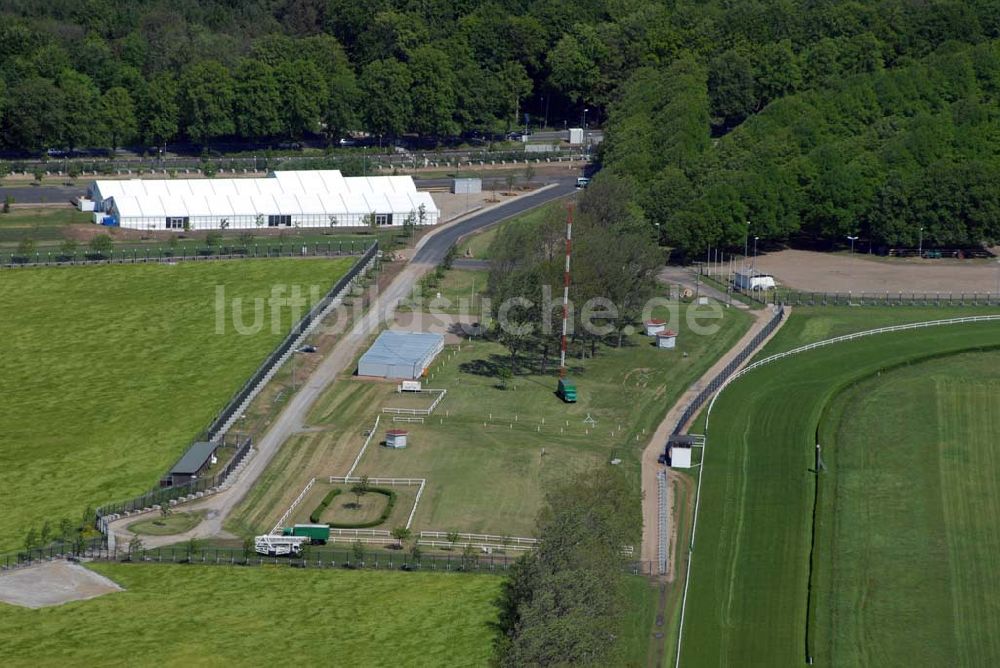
x=176, y=223
x=383, y=219
x=278, y=221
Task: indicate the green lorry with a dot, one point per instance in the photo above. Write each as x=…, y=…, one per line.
x=566, y=391
x=317, y=534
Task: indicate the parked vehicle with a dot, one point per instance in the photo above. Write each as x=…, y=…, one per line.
x=317, y=534
x=279, y=546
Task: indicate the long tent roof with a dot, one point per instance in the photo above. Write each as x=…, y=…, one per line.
x=324, y=192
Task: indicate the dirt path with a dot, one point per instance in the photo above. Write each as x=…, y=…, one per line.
x=292, y=418
x=650, y=465
x=837, y=272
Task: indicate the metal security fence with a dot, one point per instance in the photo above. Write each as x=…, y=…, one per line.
x=799, y=298
x=165, y=254
x=304, y=325
x=164, y=495
x=219, y=426
x=315, y=557
x=723, y=376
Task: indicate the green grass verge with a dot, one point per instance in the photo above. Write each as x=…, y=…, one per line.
x=905, y=562
x=747, y=601
x=261, y=616
x=809, y=324
x=175, y=523
x=109, y=372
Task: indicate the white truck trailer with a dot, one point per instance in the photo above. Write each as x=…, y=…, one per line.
x=279, y=546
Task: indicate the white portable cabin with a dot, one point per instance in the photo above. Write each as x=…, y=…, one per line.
x=320, y=198
x=666, y=339
x=395, y=438
x=575, y=136
x=679, y=449
x=654, y=327
x=753, y=281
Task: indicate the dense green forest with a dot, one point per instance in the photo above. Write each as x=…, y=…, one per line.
x=812, y=119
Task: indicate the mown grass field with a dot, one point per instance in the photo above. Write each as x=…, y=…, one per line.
x=215, y=615
x=907, y=561
x=489, y=454
x=748, y=597
x=809, y=324
x=109, y=372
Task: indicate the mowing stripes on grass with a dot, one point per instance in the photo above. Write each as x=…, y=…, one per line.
x=109, y=372
x=214, y=615
x=747, y=603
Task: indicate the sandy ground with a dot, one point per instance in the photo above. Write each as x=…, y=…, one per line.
x=53, y=583
x=838, y=272
x=650, y=465
x=454, y=327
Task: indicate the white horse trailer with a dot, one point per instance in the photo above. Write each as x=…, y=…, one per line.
x=279, y=546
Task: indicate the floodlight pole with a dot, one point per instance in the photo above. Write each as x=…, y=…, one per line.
x=565, y=322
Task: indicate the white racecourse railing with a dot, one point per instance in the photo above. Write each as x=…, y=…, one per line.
x=355, y=533
x=296, y=502
x=371, y=434
x=774, y=358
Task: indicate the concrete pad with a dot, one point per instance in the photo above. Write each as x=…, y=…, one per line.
x=53, y=583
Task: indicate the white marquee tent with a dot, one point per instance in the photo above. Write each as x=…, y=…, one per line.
x=322, y=198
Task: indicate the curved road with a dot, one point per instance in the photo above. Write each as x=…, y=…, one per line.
x=430, y=251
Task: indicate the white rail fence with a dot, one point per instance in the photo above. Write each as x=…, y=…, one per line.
x=486, y=547
x=295, y=503
x=418, y=411
x=371, y=434
x=769, y=360
x=478, y=537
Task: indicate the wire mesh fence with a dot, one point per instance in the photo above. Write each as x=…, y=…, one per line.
x=217, y=429
x=166, y=254
x=316, y=557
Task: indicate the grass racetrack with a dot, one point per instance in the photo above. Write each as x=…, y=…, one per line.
x=747, y=602
x=216, y=615
x=910, y=513
x=109, y=372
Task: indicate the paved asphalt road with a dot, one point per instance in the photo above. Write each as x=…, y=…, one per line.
x=292, y=419
x=434, y=249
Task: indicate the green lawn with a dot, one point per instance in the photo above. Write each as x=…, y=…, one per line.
x=907, y=561
x=478, y=245
x=40, y=224
x=216, y=615
x=809, y=324
x=491, y=478
x=109, y=372
x=175, y=523
x=747, y=600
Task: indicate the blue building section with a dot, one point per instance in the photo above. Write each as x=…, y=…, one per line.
x=400, y=355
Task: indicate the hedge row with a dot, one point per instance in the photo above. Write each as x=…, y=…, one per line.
x=318, y=512
x=372, y=523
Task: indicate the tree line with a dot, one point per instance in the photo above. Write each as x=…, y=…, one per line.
x=893, y=156
x=564, y=603
x=109, y=72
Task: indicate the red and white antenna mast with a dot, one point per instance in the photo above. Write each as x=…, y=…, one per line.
x=565, y=323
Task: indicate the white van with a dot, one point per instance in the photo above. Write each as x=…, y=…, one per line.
x=582, y=182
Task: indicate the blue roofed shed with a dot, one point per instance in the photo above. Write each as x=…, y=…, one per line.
x=400, y=355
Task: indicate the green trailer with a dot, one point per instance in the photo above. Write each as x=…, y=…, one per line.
x=317, y=534
x=566, y=390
